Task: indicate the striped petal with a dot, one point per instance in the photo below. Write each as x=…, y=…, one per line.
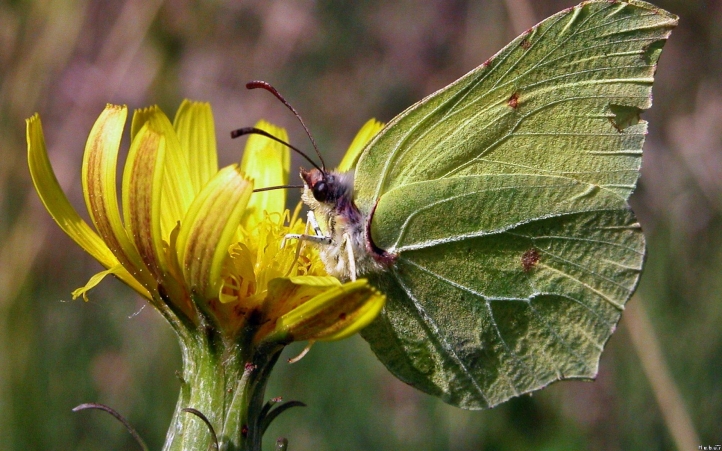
x=209, y=228
x=368, y=131
x=178, y=191
x=286, y=294
x=335, y=311
x=267, y=163
x=142, y=192
x=57, y=204
x=196, y=131
x=98, y=176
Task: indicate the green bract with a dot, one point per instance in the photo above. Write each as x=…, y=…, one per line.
x=504, y=198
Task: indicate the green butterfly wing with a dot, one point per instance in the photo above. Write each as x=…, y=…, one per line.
x=504, y=197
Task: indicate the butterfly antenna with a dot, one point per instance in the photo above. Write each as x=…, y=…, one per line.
x=269, y=188
x=257, y=131
x=267, y=86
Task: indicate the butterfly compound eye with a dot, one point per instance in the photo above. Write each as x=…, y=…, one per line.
x=320, y=191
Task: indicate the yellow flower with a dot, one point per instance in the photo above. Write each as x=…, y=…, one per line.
x=195, y=240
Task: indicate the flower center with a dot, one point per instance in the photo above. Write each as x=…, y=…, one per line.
x=257, y=257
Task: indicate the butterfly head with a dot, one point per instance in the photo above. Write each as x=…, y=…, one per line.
x=327, y=187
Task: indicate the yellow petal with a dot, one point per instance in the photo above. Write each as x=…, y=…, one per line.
x=98, y=176
x=55, y=200
x=142, y=187
x=197, y=133
x=367, y=132
x=178, y=191
x=286, y=294
x=209, y=228
x=140, y=117
x=362, y=317
x=95, y=280
x=267, y=163
x=337, y=312
x=60, y=209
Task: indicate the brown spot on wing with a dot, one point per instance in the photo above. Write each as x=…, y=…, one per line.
x=530, y=259
x=514, y=100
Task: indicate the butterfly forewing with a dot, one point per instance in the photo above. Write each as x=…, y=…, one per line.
x=503, y=197
x=561, y=99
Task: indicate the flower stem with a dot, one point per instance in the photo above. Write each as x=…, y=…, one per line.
x=243, y=426
x=225, y=381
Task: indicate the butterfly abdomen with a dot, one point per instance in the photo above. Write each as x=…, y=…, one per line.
x=381, y=256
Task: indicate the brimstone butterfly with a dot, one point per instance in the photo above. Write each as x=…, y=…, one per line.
x=493, y=213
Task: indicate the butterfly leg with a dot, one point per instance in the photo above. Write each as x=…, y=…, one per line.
x=317, y=238
x=351, y=257
x=299, y=246
x=314, y=223
x=304, y=237
x=301, y=237
x=327, y=240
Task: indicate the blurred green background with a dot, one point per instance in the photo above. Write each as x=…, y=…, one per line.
x=339, y=63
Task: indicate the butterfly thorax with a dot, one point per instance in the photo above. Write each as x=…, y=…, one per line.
x=330, y=196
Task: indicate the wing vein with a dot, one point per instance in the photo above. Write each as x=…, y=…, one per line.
x=440, y=339
x=567, y=346
x=491, y=316
x=466, y=236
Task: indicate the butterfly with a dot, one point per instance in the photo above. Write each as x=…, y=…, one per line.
x=493, y=213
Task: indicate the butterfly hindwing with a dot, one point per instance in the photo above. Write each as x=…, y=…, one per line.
x=503, y=197
x=503, y=303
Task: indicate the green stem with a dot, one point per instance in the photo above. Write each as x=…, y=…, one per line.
x=244, y=424
x=226, y=382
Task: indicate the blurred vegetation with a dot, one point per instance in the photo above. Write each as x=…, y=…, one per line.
x=339, y=63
